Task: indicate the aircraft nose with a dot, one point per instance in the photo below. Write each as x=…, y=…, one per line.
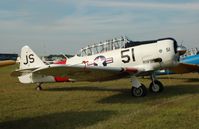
x=181, y=50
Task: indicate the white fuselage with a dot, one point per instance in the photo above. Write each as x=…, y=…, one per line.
x=141, y=56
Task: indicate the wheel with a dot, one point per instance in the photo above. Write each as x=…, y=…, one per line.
x=140, y=91
x=38, y=88
x=157, y=87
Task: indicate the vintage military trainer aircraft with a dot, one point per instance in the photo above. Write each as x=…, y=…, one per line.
x=112, y=59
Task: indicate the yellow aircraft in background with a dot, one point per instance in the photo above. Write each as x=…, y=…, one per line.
x=7, y=59
x=7, y=62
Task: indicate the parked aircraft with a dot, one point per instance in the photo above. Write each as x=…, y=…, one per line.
x=108, y=60
x=7, y=62
x=193, y=59
x=7, y=59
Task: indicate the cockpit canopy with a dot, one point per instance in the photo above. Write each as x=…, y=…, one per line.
x=117, y=43
x=108, y=45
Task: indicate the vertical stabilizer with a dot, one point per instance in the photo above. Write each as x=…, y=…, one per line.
x=29, y=59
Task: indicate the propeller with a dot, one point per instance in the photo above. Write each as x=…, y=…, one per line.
x=181, y=50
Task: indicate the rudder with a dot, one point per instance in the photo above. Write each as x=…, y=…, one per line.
x=29, y=59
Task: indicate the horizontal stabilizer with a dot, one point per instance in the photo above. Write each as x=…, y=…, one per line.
x=19, y=72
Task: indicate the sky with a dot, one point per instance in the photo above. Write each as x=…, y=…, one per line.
x=65, y=26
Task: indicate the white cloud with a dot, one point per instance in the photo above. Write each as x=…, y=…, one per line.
x=147, y=5
x=13, y=14
x=85, y=23
x=188, y=6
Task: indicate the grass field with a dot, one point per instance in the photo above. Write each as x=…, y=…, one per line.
x=105, y=105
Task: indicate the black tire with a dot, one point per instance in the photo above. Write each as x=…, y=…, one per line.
x=157, y=88
x=38, y=88
x=139, y=92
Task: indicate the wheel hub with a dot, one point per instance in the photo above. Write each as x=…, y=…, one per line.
x=138, y=91
x=155, y=88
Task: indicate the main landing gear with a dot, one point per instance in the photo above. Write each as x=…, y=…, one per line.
x=38, y=88
x=139, y=90
x=155, y=86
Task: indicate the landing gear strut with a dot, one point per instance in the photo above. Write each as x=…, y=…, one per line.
x=155, y=86
x=38, y=88
x=137, y=89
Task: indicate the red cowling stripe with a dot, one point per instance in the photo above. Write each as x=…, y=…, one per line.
x=131, y=70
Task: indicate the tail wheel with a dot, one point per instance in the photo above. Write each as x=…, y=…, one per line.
x=139, y=91
x=38, y=88
x=156, y=87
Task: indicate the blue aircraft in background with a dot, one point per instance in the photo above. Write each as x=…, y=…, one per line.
x=193, y=59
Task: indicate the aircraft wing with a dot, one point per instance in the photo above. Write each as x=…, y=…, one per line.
x=81, y=72
x=185, y=68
